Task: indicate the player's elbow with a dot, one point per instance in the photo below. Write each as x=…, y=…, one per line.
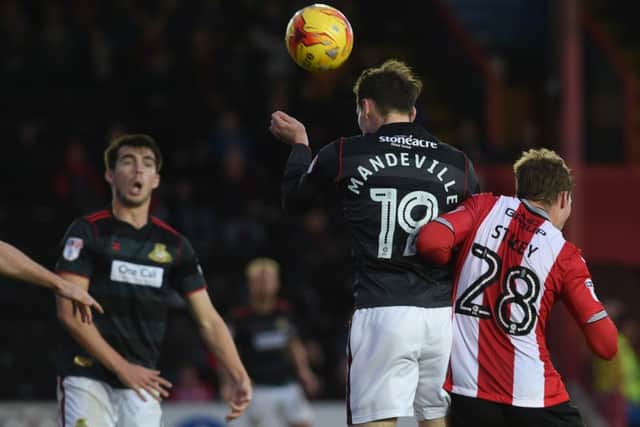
x=210, y=323
x=433, y=243
x=610, y=352
x=602, y=338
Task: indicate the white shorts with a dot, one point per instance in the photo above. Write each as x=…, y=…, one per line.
x=398, y=361
x=85, y=402
x=275, y=406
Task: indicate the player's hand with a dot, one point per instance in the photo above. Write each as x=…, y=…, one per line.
x=82, y=301
x=288, y=129
x=141, y=379
x=310, y=383
x=238, y=396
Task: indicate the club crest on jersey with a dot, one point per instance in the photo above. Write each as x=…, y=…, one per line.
x=85, y=362
x=72, y=248
x=160, y=254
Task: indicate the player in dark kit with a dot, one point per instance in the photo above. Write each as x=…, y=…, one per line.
x=107, y=371
x=274, y=355
x=513, y=264
x=392, y=179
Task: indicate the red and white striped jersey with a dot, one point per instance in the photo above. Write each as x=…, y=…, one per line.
x=511, y=268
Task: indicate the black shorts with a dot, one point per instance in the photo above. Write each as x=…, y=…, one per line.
x=471, y=412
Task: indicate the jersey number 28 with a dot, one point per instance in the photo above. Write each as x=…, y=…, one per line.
x=392, y=210
x=523, y=297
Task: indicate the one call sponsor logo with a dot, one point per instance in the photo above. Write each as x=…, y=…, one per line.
x=136, y=274
x=270, y=340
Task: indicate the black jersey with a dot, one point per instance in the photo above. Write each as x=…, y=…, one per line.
x=263, y=343
x=130, y=272
x=390, y=183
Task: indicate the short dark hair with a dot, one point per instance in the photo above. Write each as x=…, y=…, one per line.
x=131, y=140
x=392, y=86
x=541, y=175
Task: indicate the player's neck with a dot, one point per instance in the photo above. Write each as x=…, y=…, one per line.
x=550, y=211
x=264, y=305
x=136, y=216
x=394, y=117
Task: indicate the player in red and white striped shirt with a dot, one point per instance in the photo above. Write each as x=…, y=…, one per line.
x=513, y=264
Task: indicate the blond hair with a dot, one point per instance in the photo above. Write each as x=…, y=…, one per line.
x=541, y=175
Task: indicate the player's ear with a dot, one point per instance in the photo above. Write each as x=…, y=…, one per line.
x=156, y=181
x=564, y=199
x=412, y=114
x=108, y=176
x=367, y=107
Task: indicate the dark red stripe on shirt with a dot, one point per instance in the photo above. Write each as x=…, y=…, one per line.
x=164, y=225
x=98, y=215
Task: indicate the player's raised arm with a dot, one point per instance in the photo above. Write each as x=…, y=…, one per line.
x=16, y=264
x=303, y=177
x=218, y=340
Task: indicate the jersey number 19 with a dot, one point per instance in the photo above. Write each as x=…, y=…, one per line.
x=392, y=211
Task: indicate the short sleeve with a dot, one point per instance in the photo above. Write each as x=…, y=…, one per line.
x=75, y=249
x=187, y=275
x=578, y=292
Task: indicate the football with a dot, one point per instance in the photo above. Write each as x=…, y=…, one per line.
x=319, y=37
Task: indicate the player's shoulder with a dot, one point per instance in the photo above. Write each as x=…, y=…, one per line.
x=343, y=142
x=89, y=225
x=482, y=200
x=240, y=312
x=283, y=306
x=486, y=196
x=570, y=252
x=96, y=217
x=164, y=227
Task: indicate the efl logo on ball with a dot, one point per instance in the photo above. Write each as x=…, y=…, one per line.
x=319, y=37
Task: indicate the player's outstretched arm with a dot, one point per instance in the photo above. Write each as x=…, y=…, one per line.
x=16, y=264
x=303, y=179
x=142, y=380
x=217, y=338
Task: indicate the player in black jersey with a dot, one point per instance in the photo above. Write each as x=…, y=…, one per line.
x=131, y=260
x=275, y=357
x=15, y=264
x=392, y=179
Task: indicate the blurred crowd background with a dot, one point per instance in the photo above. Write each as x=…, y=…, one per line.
x=203, y=76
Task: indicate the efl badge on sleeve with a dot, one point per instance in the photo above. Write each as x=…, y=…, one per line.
x=589, y=284
x=160, y=254
x=72, y=248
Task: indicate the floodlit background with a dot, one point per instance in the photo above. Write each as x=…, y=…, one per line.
x=203, y=76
